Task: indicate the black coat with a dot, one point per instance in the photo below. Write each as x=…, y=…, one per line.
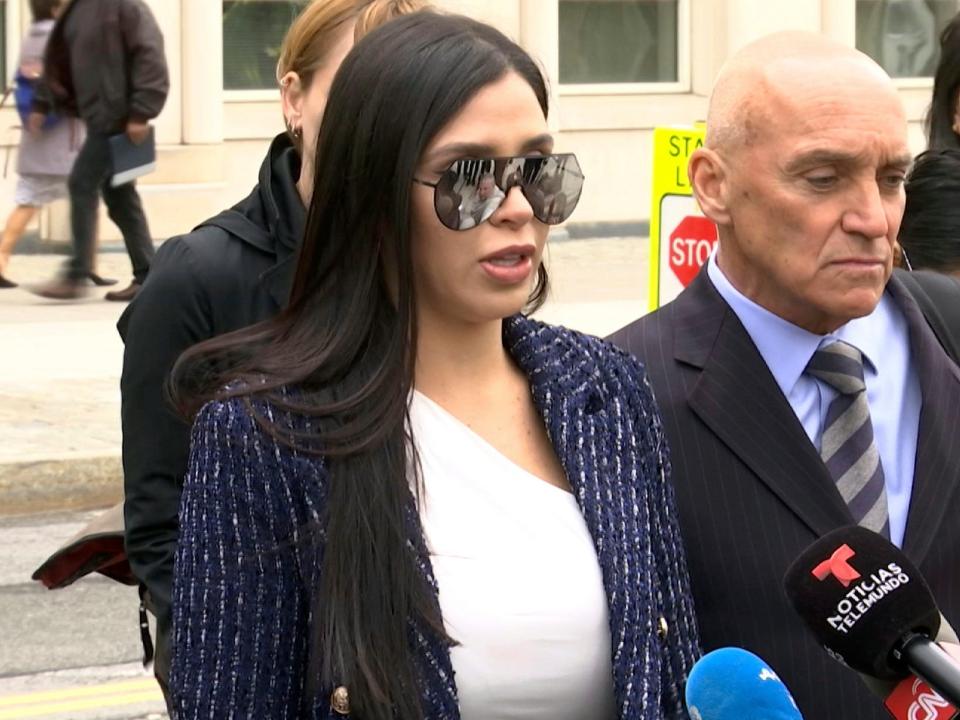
x=231, y=271
x=753, y=491
x=105, y=64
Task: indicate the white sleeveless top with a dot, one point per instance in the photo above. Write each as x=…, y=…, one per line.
x=520, y=585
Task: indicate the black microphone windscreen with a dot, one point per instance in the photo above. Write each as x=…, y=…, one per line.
x=859, y=595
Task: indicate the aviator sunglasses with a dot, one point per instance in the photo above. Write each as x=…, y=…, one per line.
x=469, y=191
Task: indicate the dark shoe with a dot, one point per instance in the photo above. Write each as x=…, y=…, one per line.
x=4, y=283
x=62, y=288
x=100, y=281
x=125, y=295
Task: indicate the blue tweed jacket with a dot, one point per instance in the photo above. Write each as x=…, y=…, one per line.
x=242, y=581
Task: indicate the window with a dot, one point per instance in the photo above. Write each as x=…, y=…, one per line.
x=904, y=35
x=619, y=41
x=252, y=33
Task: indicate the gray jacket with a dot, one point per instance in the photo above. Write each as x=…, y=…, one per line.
x=105, y=64
x=53, y=151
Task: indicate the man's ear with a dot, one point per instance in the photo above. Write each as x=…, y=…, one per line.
x=291, y=96
x=708, y=178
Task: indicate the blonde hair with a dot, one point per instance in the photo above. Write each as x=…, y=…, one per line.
x=308, y=40
x=378, y=12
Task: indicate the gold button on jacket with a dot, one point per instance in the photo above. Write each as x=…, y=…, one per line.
x=340, y=701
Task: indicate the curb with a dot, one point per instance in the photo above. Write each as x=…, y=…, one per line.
x=32, y=244
x=60, y=485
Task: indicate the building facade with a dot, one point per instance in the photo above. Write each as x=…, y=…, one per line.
x=618, y=68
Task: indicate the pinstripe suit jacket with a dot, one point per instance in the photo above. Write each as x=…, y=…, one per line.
x=753, y=492
x=246, y=568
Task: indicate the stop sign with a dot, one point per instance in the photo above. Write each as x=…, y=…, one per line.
x=691, y=243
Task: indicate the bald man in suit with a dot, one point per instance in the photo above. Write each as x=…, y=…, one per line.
x=801, y=388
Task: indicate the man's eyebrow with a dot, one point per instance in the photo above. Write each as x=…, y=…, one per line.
x=481, y=150
x=818, y=158
x=903, y=161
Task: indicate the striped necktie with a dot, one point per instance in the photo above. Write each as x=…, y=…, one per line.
x=847, y=446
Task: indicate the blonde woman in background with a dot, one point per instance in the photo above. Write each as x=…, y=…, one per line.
x=232, y=271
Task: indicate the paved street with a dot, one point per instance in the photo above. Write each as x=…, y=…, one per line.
x=71, y=654
x=74, y=654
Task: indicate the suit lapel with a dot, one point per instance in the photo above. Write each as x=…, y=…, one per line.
x=738, y=399
x=936, y=474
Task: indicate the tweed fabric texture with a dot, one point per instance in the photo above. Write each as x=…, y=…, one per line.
x=251, y=545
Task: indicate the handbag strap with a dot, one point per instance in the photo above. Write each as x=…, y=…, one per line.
x=145, y=640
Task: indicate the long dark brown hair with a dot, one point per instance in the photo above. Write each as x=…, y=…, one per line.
x=946, y=84
x=347, y=348
x=930, y=229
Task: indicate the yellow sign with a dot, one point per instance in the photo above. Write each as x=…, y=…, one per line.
x=680, y=238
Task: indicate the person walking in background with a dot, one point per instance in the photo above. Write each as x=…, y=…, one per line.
x=44, y=157
x=104, y=64
x=405, y=498
x=231, y=271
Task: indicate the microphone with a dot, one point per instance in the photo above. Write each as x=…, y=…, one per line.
x=911, y=698
x=870, y=608
x=733, y=684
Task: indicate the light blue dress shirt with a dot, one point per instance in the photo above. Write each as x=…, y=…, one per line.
x=893, y=389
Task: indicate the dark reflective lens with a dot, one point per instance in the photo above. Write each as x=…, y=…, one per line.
x=469, y=191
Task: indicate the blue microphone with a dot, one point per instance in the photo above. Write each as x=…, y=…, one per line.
x=733, y=684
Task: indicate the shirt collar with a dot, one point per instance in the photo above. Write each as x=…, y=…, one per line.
x=787, y=348
x=866, y=333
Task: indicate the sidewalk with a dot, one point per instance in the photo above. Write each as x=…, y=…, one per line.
x=59, y=393
x=60, y=367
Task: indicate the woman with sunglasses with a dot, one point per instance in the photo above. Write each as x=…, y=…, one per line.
x=406, y=499
x=231, y=271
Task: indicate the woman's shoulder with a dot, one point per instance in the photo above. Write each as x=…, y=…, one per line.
x=246, y=447
x=562, y=361
x=227, y=418
x=208, y=265
x=561, y=344
x=251, y=430
x=243, y=413
x=203, y=250
x=236, y=234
